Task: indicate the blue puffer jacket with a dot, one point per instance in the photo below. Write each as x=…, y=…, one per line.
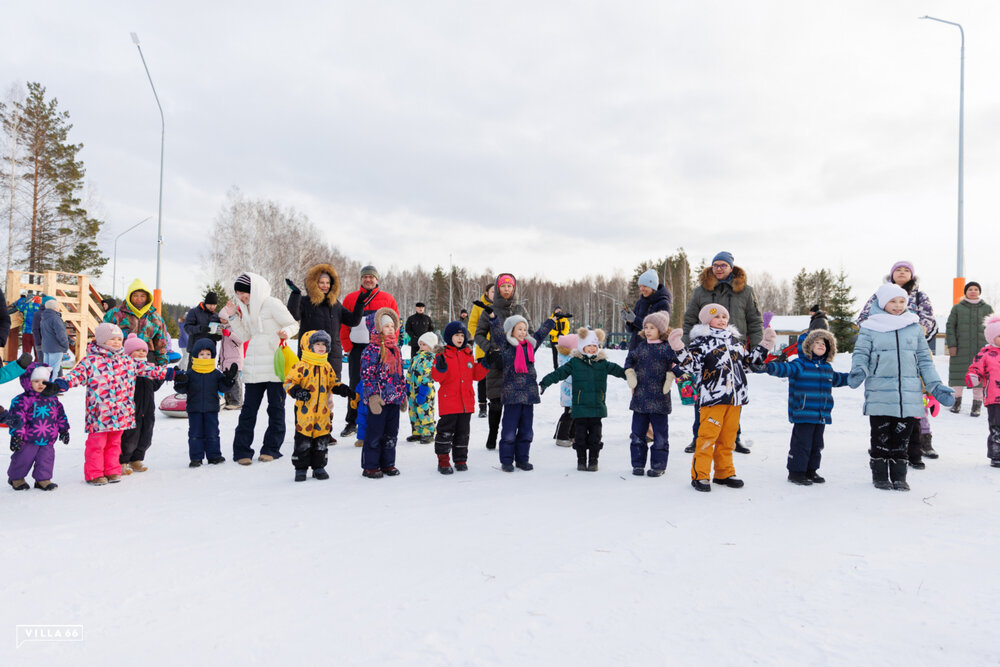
x=810, y=380
x=895, y=366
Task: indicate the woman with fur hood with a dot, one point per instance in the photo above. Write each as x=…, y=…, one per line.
x=257, y=317
x=320, y=310
x=810, y=402
x=589, y=367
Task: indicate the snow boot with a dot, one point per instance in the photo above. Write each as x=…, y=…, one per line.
x=995, y=463
x=265, y=458
x=739, y=448
x=427, y=439
x=690, y=448
x=372, y=474
x=926, y=449
x=958, y=405
x=137, y=466
x=18, y=484
x=244, y=462
x=977, y=408
x=880, y=473
x=897, y=473
x=320, y=473
x=194, y=464
x=359, y=443
x=461, y=466
x=300, y=475
x=654, y=472
x=733, y=482
x=581, y=460
x=917, y=465
x=592, y=466
x=348, y=429
x=114, y=479
x=216, y=460
x=701, y=485
x=564, y=443
x=98, y=481
x=126, y=469
x=46, y=485
x=525, y=466
x=507, y=467
x=413, y=437
x=799, y=478
x=391, y=471
x=444, y=464
x=638, y=472
x=814, y=477
x=482, y=411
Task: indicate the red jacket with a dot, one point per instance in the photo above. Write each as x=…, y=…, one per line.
x=377, y=299
x=456, y=395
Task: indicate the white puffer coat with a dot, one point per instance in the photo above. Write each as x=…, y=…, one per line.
x=260, y=323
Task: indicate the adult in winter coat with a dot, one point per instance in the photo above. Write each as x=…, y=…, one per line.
x=416, y=326
x=52, y=337
x=561, y=329
x=503, y=306
x=320, y=310
x=355, y=339
x=725, y=283
x=197, y=323
x=137, y=315
x=477, y=310
x=963, y=337
x=917, y=302
x=36, y=330
x=264, y=322
x=817, y=319
x=653, y=298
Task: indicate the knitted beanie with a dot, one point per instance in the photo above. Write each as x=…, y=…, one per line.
x=650, y=279
x=211, y=298
x=887, y=292
x=585, y=337
x=895, y=266
x=992, y=324
x=510, y=322
x=453, y=328
x=41, y=373
x=724, y=256
x=972, y=283
x=430, y=339
x=242, y=284
x=660, y=319
x=106, y=331
x=369, y=270
x=52, y=304
x=708, y=312
x=133, y=343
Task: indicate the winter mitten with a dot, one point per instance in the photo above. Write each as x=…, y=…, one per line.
x=231, y=373
x=24, y=360
x=494, y=359
x=769, y=338
x=342, y=390
x=292, y=286
x=944, y=395
x=15, y=442
x=856, y=377
x=668, y=382
x=176, y=374
x=675, y=339
x=62, y=384
x=628, y=315
x=766, y=318
x=440, y=364
x=299, y=394
x=486, y=309
x=64, y=437
x=631, y=379
x=51, y=389
x=971, y=380
x=375, y=404
x=422, y=392
x=355, y=401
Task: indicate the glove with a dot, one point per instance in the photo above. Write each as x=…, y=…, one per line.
x=668, y=382
x=299, y=394
x=486, y=309
x=64, y=437
x=674, y=338
x=231, y=373
x=176, y=374
x=971, y=380
x=292, y=286
x=628, y=315
x=24, y=360
x=631, y=379
x=944, y=395
x=51, y=389
x=856, y=377
x=782, y=358
x=422, y=392
x=15, y=442
x=375, y=404
x=769, y=338
x=566, y=316
x=62, y=384
x=204, y=328
x=542, y=388
x=494, y=359
x=440, y=365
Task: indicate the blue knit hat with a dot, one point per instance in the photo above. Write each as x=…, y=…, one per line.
x=724, y=256
x=453, y=328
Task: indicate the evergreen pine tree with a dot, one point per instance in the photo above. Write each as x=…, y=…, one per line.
x=801, y=286
x=841, y=313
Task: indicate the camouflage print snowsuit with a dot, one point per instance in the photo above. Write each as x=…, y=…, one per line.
x=421, y=394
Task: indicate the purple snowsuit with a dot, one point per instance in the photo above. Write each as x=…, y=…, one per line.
x=38, y=420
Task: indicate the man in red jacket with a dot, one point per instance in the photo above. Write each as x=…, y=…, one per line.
x=355, y=339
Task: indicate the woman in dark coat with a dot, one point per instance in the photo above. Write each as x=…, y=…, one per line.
x=964, y=337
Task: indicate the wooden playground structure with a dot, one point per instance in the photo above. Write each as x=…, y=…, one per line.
x=79, y=303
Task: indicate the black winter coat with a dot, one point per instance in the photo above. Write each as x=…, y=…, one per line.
x=316, y=311
x=145, y=396
x=417, y=325
x=203, y=389
x=195, y=322
x=654, y=303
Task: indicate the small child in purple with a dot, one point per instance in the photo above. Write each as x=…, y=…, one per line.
x=36, y=420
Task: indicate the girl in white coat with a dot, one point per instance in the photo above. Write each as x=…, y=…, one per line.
x=263, y=321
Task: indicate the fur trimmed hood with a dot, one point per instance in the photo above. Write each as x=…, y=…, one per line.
x=815, y=335
x=699, y=330
x=709, y=281
x=312, y=285
x=374, y=328
x=600, y=356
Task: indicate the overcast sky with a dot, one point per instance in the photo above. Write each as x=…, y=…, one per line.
x=557, y=139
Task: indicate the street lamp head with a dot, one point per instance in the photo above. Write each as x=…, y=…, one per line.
x=135, y=38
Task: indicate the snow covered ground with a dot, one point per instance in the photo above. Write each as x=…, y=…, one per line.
x=231, y=565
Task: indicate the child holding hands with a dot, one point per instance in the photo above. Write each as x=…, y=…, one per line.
x=457, y=371
x=984, y=371
x=36, y=418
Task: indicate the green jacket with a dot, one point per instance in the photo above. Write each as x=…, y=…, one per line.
x=590, y=382
x=964, y=331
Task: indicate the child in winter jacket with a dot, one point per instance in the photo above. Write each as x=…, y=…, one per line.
x=110, y=378
x=136, y=441
x=312, y=382
x=985, y=371
x=421, y=389
x=649, y=372
x=811, y=379
x=564, y=427
x=231, y=352
x=36, y=418
x=519, y=388
x=457, y=371
x=203, y=385
x=891, y=357
x=719, y=361
x=589, y=367
x=384, y=392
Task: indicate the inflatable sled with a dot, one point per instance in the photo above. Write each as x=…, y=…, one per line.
x=174, y=405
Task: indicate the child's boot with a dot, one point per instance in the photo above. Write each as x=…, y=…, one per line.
x=98, y=481
x=461, y=466
x=977, y=407
x=581, y=459
x=799, y=478
x=925, y=446
x=880, y=473
x=958, y=405
x=46, y=485
x=444, y=464
x=137, y=466
x=321, y=473
x=126, y=469
x=897, y=472
x=594, y=453
x=18, y=484
x=814, y=477
x=690, y=448
x=300, y=474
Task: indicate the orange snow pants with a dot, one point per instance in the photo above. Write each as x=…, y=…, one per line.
x=716, y=441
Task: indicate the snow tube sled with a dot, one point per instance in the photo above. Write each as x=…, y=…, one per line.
x=174, y=405
x=173, y=357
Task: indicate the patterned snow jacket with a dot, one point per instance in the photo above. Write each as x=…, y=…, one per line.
x=420, y=382
x=717, y=359
x=375, y=375
x=144, y=322
x=590, y=382
x=651, y=364
x=516, y=388
x=810, y=380
x=37, y=419
x=110, y=379
x=457, y=371
x=986, y=366
x=312, y=416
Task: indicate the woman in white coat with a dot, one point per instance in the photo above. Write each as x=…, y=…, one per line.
x=264, y=321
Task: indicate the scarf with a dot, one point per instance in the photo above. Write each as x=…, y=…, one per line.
x=314, y=358
x=973, y=301
x=655, y=341
x=202, y=365
x=390, y=355
x=884, y=322
x=523, y=355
